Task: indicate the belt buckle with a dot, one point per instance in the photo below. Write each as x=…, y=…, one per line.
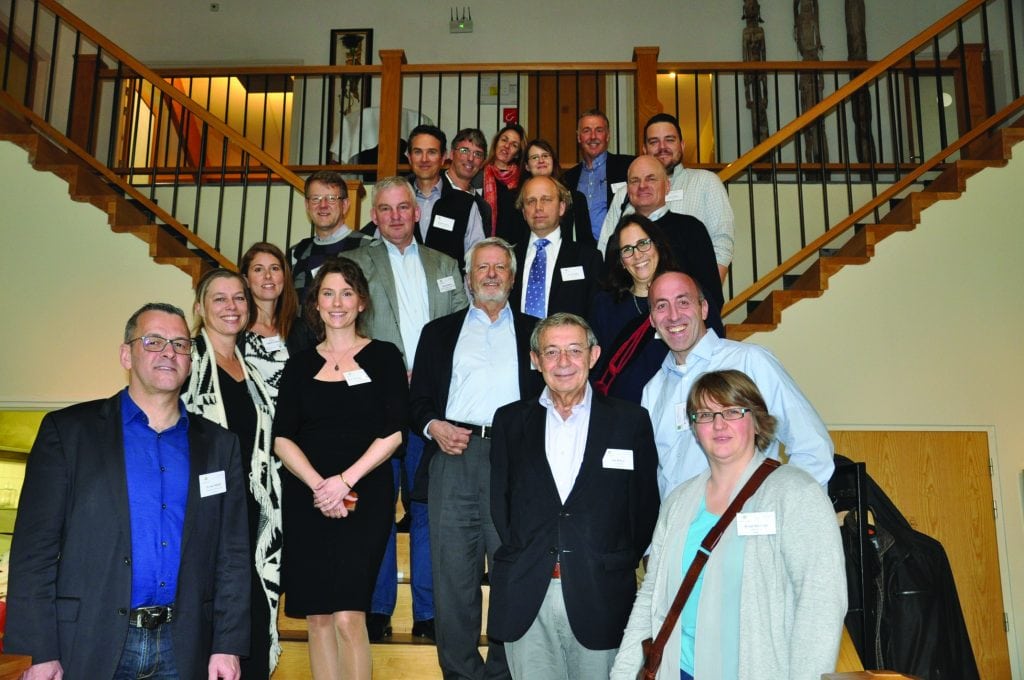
x=151, y=617
x=485, y=432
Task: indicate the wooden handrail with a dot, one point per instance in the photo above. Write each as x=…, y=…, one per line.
x=623, y=66
x=891, y=192
x=824, y=106
x=48, y=130
x=157, y=81
x=798, y=66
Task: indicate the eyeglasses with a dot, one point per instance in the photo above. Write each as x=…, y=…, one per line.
x=466, y=151
x=155, y=343
x=553, y=354
x=733, y=413
x=533, y=158
x=331, y=200
x=643, y=245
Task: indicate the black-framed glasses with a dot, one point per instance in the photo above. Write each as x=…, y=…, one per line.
x=643, y=245
x=156, y=343
x=331, y=200
x=732, y=413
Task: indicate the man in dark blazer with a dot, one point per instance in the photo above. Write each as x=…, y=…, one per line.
x=574, y=498
x=410, y=284
x=467, y=365
x=568, y=281
x=599, y=174
x=115, y=490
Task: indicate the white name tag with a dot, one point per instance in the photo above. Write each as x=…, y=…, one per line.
x=212, y=484
x=618, y=459
x=755, y=523
x=616, y=186
x=572, y=273
x=682, y=420
x=273, y=344
x=445, y=223
x=674, y=195
x=446, y=284
x=356, y=377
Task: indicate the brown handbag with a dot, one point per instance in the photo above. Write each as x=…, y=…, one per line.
x=653, y=649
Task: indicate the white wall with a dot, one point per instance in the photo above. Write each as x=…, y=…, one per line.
x=929, y=335
x=69, y=284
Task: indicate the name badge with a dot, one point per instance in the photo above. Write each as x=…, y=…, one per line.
x=273, y=344
x=616, y=186
x=682, y=420
x=356, y=377
x=755, y=523
x=572, y=273
x=674, y=195
x=446, y=284
x=212, y=484
x=445, y=223
x=618, y=459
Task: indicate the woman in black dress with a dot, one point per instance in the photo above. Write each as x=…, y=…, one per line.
x=342, y=408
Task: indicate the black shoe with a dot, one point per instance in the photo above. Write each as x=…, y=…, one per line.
x=424, y=629
x=402, y=525
x=378, y=626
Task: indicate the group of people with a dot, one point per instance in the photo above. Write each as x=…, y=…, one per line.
x=552, y=414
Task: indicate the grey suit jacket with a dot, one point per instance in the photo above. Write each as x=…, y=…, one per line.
x=441, y=272
x=71, y=574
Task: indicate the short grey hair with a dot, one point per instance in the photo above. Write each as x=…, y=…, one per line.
x=133, y=320
x=391, y=183
x=561, y=319
x=492, y=241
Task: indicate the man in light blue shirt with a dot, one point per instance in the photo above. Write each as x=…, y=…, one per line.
x=599, y=174
x=410, y=284
x=678, y=310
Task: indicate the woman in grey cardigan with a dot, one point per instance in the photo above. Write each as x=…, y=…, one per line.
x=771, y=600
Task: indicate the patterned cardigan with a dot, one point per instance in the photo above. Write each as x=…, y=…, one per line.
x=203, y=397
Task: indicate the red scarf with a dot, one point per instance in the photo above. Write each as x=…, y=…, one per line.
x=492, y=175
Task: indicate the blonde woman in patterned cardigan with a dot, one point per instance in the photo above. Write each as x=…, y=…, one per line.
x=229, y=391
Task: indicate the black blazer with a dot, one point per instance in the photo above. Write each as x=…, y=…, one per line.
x=598, y=535
x=432, y=378
x=565, y=296
x=615, y=171
x=71, y=575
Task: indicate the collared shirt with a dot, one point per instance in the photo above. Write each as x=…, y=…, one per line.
x=474, y=225
x=411, y=292
x=692, y=192
x=566, y=439
x=550, y=254
x=341, y=232
x=157, y=471
x=594, y=185
x=679, y=455
x=485, y=367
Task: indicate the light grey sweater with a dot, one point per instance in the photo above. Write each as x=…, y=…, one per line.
x=793, y=591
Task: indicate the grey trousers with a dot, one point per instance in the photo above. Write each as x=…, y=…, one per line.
x=462, y=535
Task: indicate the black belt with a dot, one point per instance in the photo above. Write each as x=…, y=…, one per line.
x=150, y=617
x=482, y=431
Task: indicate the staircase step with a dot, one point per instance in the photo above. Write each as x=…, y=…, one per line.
x=742, y=331
x=390, y=662
x=909, y=209
x=770, y=311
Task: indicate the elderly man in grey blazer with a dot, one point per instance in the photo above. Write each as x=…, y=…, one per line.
x=410, y=284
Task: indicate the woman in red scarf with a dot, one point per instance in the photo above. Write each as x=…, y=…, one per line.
x=501, y=173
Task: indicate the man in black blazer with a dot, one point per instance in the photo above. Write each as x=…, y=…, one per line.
x=568, y=281
x=467, y=365
x=114, y=490
x=574, y=498
x=599, y=174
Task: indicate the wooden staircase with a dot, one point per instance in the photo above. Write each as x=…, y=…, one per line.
x=168, y=242
x=765, y=315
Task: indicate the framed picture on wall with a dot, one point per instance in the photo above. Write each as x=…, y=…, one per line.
x=349, y=94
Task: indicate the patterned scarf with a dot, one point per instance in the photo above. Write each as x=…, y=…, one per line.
x=492, y=175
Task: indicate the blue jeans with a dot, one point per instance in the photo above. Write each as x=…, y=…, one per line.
x=147, y=654
x=385, y=593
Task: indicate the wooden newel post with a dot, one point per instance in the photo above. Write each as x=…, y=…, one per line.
x=972, y=100
x=647, y=104
x=390, y=111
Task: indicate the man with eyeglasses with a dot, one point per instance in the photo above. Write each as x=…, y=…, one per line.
x=647, y=185
x=558, y=274
x=130, y=554
x=678, y=311
x=574, y=500
x=692, y=191
x=599, y=174
x=326, y=206
x=469, y=151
